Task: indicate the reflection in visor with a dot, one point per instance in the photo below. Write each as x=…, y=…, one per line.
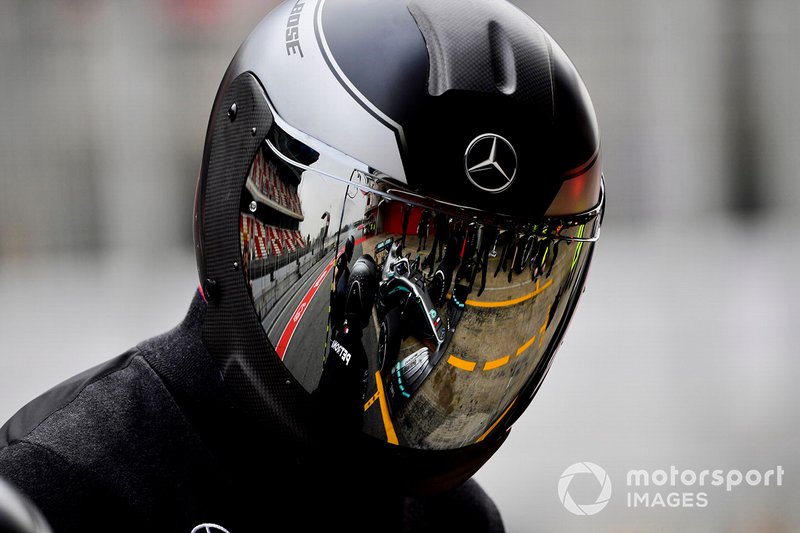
x=407, y=319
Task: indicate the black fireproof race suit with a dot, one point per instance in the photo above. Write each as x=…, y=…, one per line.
x=149, y=441
x=343, y=385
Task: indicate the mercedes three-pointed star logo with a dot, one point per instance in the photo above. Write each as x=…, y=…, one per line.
x=490, y=162
x=209, y=528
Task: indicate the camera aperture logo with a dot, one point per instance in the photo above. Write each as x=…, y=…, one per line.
x=662, y=488
x=585, y=509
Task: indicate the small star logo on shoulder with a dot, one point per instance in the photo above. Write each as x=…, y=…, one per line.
x=209, y=528
x=587, y=509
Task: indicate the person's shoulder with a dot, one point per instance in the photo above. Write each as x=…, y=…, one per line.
x=466, y=508
x=120, y=437
x=54, y=444
x=97, y=420
x=46, y=409
x=110, y=396
x=113, y=408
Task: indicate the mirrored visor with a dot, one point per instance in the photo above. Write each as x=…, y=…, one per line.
x=413, y=320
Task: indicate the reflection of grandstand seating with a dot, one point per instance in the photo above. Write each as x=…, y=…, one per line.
x=266, y=187
x=266, y=241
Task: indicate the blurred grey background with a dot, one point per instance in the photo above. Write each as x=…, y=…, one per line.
x=682, y=352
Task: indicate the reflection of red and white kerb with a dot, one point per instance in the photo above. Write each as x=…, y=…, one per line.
x=288, y=331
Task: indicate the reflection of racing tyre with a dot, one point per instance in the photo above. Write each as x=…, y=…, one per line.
x=389, y=339
x=437, y=288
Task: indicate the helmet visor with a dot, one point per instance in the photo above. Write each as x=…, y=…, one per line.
x=413, y=320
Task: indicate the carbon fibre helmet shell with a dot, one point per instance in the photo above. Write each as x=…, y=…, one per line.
x=379, y=83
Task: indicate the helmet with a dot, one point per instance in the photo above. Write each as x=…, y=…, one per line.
x=450, y=153
x=349, y=246
x=361, y=289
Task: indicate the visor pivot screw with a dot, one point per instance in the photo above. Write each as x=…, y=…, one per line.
x=232, y=112
x=236, y=265
x=253, y=206
x=210, y=289
x=253, y=131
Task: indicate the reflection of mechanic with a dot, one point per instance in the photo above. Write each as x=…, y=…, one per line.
x=422, y=229
x=406, y=216
x=486, y=243
x=552, y=258
x=469, y=255
x=343, y=386
x=442, y=226
x=340, y=278
x=512, y=250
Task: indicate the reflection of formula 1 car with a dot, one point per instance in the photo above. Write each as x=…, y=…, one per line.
x=405, y=310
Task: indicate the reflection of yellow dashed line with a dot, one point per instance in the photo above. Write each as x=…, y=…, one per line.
x=391, y=436
x=499, y=418
x=525, y=346
x=543, y=329
x=515, y=301
x=371, y=401
x=491, y=365
x=469, y=366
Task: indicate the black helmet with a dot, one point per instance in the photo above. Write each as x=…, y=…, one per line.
x=349, y=246
x=361, y=289
x=456, y=127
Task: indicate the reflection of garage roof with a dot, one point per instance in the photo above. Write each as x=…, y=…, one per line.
x=263, y=199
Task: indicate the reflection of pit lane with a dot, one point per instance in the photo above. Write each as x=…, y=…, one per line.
x=371, y=401
x=276, y=319
x=380, y=397
x=465, y=398
x=496, y=363
x=499, y=418
x=469, y=366
x=513, y=301
x=291, y=326
x=391, y=436
x=492, y=364
x=457, y=362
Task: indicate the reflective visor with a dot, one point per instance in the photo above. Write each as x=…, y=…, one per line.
x=415, y=321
